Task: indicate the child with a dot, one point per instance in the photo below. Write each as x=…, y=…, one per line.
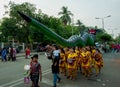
x=55, y=71
x=62, y=62
x=35, y=71
x=86, y=67
x=98, y=62
x=72, y=66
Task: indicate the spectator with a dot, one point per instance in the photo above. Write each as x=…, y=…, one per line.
x=27, y=51
x=35, y=71
x=14, y=54
x=117, y=48
x=107, y=48
x=4, y=53
x=56, y=54
x=113, y=48
x=10, y=54
x=55, y=71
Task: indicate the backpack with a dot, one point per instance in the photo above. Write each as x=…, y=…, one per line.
x=35, y=68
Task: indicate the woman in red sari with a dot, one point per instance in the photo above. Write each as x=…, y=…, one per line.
x=27, y=51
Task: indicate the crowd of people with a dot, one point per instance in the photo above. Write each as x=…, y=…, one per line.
x=8, y=54
x=110, y=48
x=66, y=61
x=70, y=61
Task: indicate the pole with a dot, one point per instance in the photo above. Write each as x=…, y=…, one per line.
x=103, y=23
x=103, y=19
x=72, y=31
x=113, y=33
x=72, y=24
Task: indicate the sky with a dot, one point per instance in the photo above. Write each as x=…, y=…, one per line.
x=85, y=10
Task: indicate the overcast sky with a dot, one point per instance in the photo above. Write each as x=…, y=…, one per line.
x=85, y=10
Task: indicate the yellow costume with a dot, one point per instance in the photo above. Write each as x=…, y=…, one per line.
x=98, y=63
x=72, y=66
x=90, y=60
x=86, y=67
x=62, y=63
x=93, y=56
x=77, y=58
x=66, y=57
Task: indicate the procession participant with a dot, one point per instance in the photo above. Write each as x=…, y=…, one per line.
x=80, y=58
x=77, y=59
x=98, y=62
x=72, y=66
x=93, y=55
x=62, y=61
x=82, y=55
x=86, y=67
x=77, y=50
x=88, y=55
x=67, y=51
x=85, y=63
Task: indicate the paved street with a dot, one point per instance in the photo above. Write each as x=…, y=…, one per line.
x=11, y=74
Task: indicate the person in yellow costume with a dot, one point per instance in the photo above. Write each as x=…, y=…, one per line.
x=85, y=63
x=93, y=56
x=86, y=67
x=66, y=57
x=77, y=58
x=62, y=61
x=80, y=58
x=83, y=54
x=88, y=55
x=98, y=62
x=72, y=66
x=93, y=52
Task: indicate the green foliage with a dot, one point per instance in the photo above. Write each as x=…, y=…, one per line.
x=8, y=28
x=22, y=28
x=18, y=28
x=65, y=15
x=117, y=39
x=103, y=37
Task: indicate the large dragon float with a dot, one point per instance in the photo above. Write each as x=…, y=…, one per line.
x=76, y=40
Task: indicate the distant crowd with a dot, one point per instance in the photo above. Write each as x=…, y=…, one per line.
x=109, y=48
x=8, y=54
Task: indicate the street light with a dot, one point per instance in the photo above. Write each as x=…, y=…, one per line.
x=113, y=31
x=72, y=23
x=0, y=36
x=103, y=19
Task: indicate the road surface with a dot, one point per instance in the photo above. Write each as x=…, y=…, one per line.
x=11, y=74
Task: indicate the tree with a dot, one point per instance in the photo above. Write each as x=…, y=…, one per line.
x=65, y=15
x=79, y=23
x=81, y=26
x=22, y=26
x=117, y=39
x=104, y=37
x=8, y=28
x=24, y=32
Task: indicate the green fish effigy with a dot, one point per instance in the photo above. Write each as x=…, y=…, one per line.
x=75, y=40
